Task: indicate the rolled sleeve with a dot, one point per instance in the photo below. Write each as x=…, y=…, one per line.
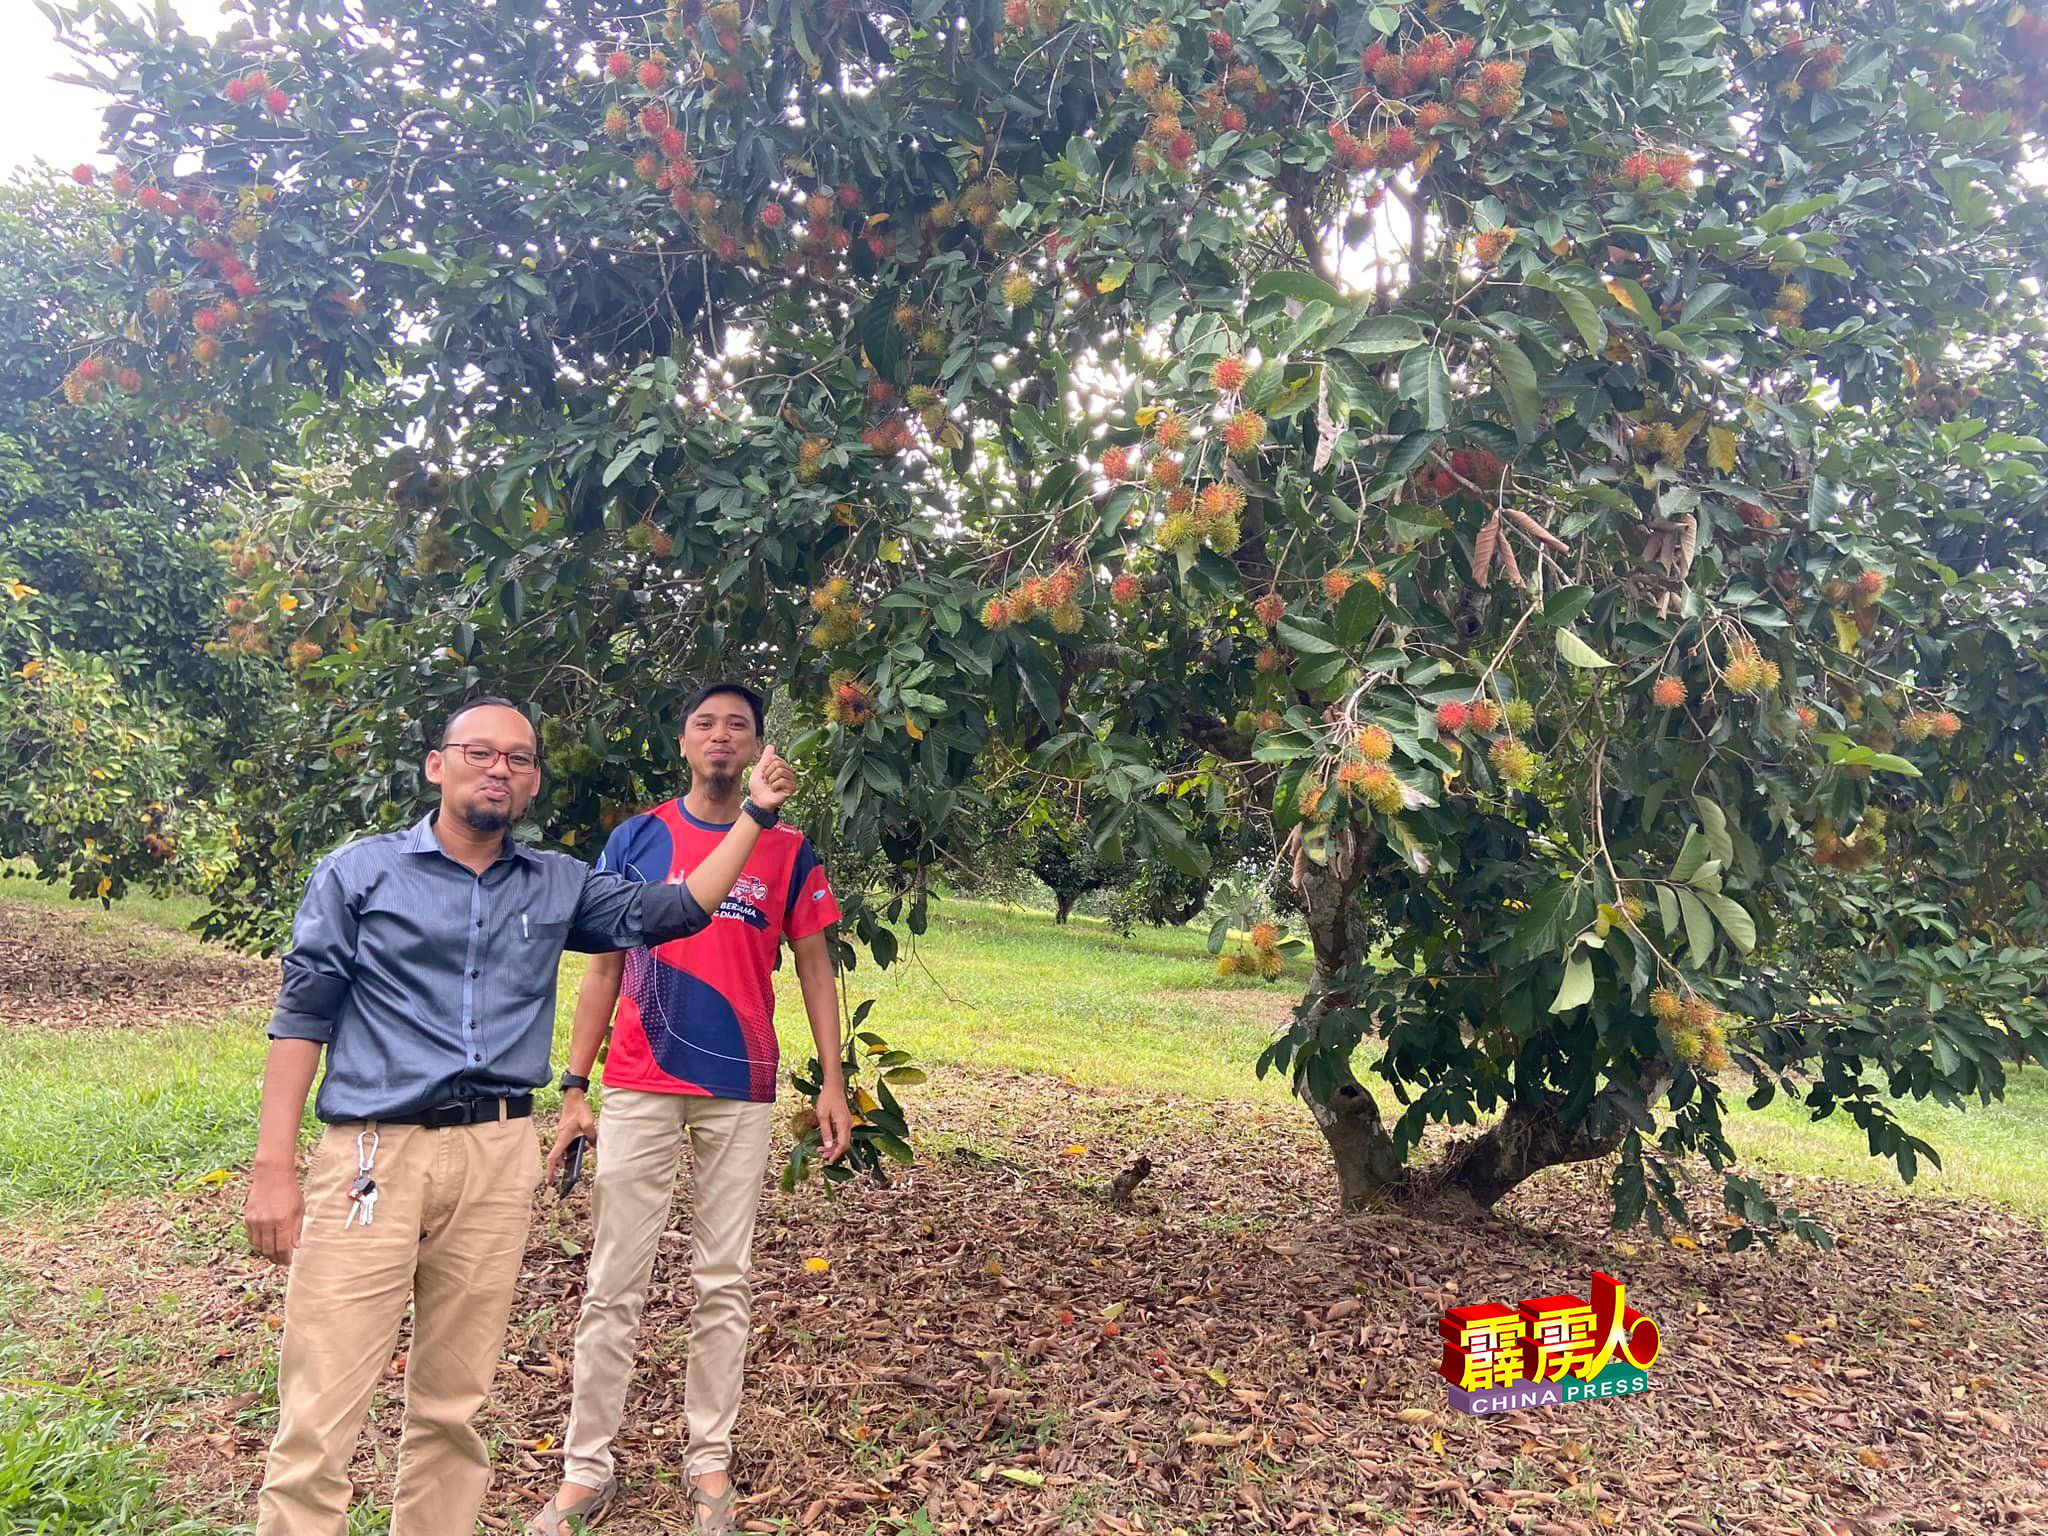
x=321, y=964
x=615, y=912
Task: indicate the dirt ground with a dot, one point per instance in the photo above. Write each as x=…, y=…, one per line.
x=54, y=972
x=993, y=1348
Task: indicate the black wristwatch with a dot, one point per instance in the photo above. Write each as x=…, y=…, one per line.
x=571, y=1080
x=765, y=818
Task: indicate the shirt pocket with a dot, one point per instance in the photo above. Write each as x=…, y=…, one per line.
x=535, y=952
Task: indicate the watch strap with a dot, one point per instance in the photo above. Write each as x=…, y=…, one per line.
x=571, y=1080
x=763, y=817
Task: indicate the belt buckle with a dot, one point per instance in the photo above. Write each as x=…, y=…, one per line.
x=445, y=1116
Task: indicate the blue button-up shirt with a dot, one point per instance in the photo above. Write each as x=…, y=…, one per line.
x=427, y=982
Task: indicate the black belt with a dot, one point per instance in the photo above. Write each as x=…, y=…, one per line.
x=464, y=1112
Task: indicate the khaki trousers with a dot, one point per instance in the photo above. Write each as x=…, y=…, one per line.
x=450, y=1228
x=640, y=1137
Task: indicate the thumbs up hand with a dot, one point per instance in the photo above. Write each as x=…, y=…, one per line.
x=772, y=781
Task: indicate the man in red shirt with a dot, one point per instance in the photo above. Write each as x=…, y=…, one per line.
x=693, y=1054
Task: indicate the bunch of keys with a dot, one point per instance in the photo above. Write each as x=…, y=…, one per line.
x=362, y=1194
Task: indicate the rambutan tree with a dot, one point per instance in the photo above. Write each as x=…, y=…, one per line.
x=114, y=711
x=1570, y=468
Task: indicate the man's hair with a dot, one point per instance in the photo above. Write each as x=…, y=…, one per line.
x=710, y=690
x=481, y=701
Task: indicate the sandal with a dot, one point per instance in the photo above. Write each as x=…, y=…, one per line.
x=713, y=1511
x=555, y=1522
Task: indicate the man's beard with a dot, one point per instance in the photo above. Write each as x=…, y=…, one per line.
x=484, y=818
x=718, y=784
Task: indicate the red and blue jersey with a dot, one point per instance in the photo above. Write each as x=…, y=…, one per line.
x=697, y=1015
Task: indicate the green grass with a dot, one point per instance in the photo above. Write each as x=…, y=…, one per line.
x=89, y=1114
x=175, y=911
x=68, y=1469
x=1995, y=1153
x=1006, y=988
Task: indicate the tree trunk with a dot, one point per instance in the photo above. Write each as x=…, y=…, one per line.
x=1064, y=903
x=1368, y=1172
x=1525, y=1141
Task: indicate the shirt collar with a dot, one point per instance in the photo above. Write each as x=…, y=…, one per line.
x=421, y=839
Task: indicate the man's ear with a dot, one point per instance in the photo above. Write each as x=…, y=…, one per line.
x=434, y=766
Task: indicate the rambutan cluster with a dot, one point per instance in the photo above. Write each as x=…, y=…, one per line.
x=849, y=702
x=1432, y=62
x=1370, y=783
x=255, y=86
x=1797, y=66
x=1490, y=245
x=1244, y=434
x=223, y=290
x=1057, y=597
x=1258, y=956
x=2017, y=80
x=890, y=436
x=1941, y=725
x=86, y=382
x=1479, y=466
x=1789, y=307
x=1941, y=402
x=1647, y=174
x=1851, y=853
x=1040, y=16
x=1748, y=670
x=839, y=616
x=1692, y=1026
x=1215, y=516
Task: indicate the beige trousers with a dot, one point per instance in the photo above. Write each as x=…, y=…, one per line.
x=640, y=1137
x=450, y=1228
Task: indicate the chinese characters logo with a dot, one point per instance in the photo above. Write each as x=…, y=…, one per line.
x=1556, y=1349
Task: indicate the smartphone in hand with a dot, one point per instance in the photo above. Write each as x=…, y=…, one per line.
x=572, y=1167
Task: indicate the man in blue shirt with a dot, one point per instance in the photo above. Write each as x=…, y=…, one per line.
x=424, y=963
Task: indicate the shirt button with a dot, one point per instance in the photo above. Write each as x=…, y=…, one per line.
x=476, y=1058
x=474, y=974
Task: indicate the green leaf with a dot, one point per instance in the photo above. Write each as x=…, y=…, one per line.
x=1382, y=336
x=1566, y=604
x=1699, y=927
x=1735, y=920
x=1704, y=300
x=1519, y=388
x=1577, y=652
x=1358, y=613
x=623, y=460
x=1584, y=315
x=1576, y=989
x=1667, y=910
x=1892, y=764
x=1427, y=382
x=1714, y=823
x=1311, y=637
x=1303, y=287
x=1691, y=855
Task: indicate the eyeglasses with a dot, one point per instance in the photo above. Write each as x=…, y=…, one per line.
x=477, y=755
